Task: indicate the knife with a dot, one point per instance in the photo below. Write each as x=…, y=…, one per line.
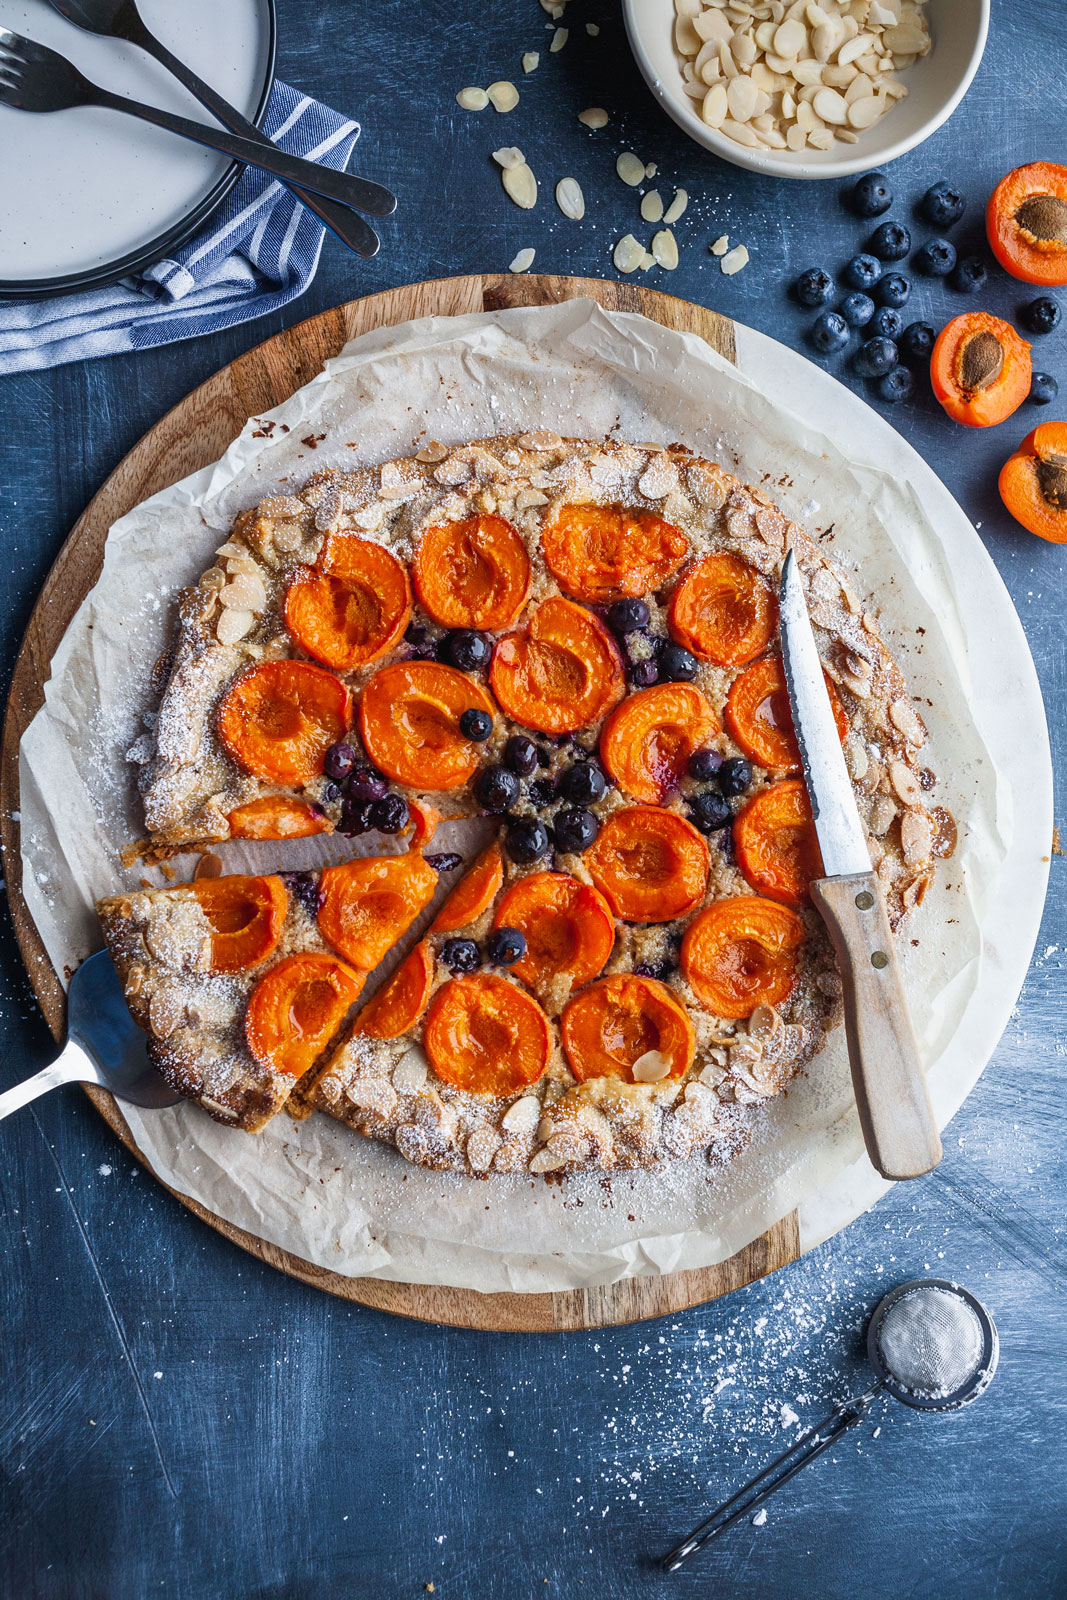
x=887, y=1076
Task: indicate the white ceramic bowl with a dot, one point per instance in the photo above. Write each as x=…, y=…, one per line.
x=936, y=85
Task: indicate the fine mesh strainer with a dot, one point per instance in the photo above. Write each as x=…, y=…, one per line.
x=932, y=1345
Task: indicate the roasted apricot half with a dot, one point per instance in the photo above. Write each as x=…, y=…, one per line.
x=561, y=672
x=724, y=610
x=777, y=850
x=246, y=916
x=1026, y=220
x=401, y=1000
x=980, y=369
x=1033, y=482
x=486, y=1035
x=366, y=905
x=647, y=741
x=352, y=606
x=472, y=574
x=275, y=817
x=650, y=865
x=742, y=953
x=409, y=720
x=630, y=1028
x=602, y=553
x=279, y=720
x=424, y=820
x=297, y=1008
x=759, y=718
x=473, y=894
x=568, y=927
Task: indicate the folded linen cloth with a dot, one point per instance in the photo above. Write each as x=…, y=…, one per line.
x=258, y=251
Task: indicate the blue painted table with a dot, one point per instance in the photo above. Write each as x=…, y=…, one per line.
x=177, y=1419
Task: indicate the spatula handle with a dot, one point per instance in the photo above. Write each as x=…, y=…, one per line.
x=887, y=1076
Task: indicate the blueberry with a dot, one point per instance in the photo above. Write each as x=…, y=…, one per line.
x=330, y=793
x=890, y=241
x=935, y=259
x=677, y=665
x=355, y=818
x=1043, y=388
x=366, y=784
x=643, y=674
x=626, y=616
x=476, y=725
x=461, y=955
x=814, y=287
x=857, y=309
x=339, y=761
x=496, y=789
x=892, y=290
x=875, y=357
x=829, y=333
x=942, y=205
x=661, y=970
x=969, y=275
x=1041, y=315
x=466, y=649
x=444, y=861
x=897, y=384
x=520, y=755
x=704, y=764
x=862, y=272
x=390, y=814
x=303, y=888
x=888, y=324
x=415, y=634
x=543, y=792
x=505, y=947
x=870, y=195
x=583, y=784
x=917, y=342
x=735, y=775
x=575, y=829
x=526, y=842
x=709, y=811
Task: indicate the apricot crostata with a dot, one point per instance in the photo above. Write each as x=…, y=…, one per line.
x=578, y=641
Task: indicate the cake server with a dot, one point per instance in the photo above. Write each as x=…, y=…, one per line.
x=887, y=1076
x=104, y=1045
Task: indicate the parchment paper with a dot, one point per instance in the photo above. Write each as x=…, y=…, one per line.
x=316, y=1188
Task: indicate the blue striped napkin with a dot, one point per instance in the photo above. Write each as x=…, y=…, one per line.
x=258, y=251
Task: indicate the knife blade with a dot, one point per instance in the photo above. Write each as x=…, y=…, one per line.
x=833, y=803
x=898, y=1124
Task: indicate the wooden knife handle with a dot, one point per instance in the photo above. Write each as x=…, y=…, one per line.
x=887, y=1076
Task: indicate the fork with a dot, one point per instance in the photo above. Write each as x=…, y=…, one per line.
x=120, y=19
x=34, y=78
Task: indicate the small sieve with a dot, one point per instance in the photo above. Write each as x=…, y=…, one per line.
x=932, y=1345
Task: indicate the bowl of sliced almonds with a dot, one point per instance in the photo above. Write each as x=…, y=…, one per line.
x=808, y=88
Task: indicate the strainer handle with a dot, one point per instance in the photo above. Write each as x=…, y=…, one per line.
x=779, y=1471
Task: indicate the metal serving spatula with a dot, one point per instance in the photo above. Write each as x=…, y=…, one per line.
x=887, y=1077
x=104, y=1045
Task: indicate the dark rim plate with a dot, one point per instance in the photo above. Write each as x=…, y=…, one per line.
x=137, y=260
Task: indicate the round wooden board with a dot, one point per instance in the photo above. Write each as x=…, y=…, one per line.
x=192, y=436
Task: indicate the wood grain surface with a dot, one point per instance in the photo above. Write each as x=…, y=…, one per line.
x=192, y=435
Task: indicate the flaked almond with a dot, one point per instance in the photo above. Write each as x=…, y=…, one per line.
x=233, y=625
x=905, y=782
x=764, y=1022
x=627, y=253
x=540, y=439
x=676, y=207
x=570, y=199
x=503, y=96
x=374, y=1095
x=531, y=60
x=544, y=1129
x=652, y=1067
x=520, y=185
x=652, y=206
x=472, y=99
x=547, y=1161
x=882, y=813
x=523, y=1116
x=166, y=1012
x=665, y=249
x=523, y=261
x=721, y=245
x=559, y=39
x=409, y=1074
x=916, y=838
x=482, y=1146
x=630, y=169
x=288, y=537
x=432, y=452
x=593, y=117
x=208, y=866
x=509, y=155
x=214, y=578
x=905, y=718
x=734, y=260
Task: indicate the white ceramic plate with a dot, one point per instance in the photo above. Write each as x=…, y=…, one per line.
x=89, y=195
x=936, y=85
